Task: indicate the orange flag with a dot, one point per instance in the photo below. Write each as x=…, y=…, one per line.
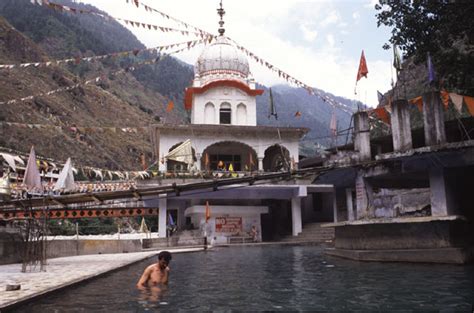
x=170, y=106
x=206, y=160
x=363, y=71
x=208, y=211
x=419, y=103
x=383, y=114
x=470, y=104
x=445, y=98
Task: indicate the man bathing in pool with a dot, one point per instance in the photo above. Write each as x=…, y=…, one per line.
x=156, y=274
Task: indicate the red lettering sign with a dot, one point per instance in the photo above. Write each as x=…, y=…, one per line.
x=228, y=225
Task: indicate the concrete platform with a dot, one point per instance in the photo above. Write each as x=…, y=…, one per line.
x=64, y=272
x=440, y=255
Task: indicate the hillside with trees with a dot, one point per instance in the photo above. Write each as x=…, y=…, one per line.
x=135, y=98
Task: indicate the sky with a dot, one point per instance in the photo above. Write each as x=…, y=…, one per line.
x=318, y=42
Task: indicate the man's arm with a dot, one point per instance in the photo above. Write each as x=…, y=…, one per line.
x=144, y=278
x=166, y=275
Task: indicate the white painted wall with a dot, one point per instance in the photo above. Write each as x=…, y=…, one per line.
x=258, y=142
x=201, y=114
x=250, y=217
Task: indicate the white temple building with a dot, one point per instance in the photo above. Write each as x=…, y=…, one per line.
x=224, y=135
x=222, y=101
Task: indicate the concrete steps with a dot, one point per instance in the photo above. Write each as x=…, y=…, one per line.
x=312, y=232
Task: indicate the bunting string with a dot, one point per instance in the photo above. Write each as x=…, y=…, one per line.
x=203, y=35
x=147, y=8
x=383, y=112
x=48, y=165
x=78, y=60
x=99, y=78
x=65, y=8
x=292, y=80
x=80, y=129
x=164, y=29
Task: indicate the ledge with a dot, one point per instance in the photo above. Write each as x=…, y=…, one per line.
x=397, y=220
x=427, y=149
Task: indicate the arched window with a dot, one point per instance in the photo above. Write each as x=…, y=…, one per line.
x=241, y=114
x=225, y=113
x=209, y=112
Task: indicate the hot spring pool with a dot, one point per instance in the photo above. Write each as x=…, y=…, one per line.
x=272, y=278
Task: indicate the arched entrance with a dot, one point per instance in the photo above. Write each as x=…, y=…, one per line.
x=241, y=156
x=276, y=159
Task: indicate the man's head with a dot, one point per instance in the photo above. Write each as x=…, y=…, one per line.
x=164, y=258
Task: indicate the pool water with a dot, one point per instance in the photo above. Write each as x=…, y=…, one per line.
x=277, y=278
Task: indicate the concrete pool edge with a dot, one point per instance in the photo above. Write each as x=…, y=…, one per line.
x=440, y=255
x=11, y=305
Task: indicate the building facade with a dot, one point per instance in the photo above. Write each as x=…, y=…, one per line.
x=226, y=140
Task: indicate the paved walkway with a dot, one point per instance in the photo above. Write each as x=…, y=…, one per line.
x=61, y=272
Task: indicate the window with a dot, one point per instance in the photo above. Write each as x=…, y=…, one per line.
x=209, y=113
x=225, y=114
x=241, y=114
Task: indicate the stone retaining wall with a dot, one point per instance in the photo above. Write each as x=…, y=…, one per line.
x=10, y=247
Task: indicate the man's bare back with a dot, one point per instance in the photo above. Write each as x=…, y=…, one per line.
x=156, y=274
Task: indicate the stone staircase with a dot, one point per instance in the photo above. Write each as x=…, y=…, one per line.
x=312, y=233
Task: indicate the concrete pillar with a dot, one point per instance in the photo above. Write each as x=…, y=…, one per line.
x=198, y=161
x=401, y=127
x=433, y=119
x=297, y=225
x=441, y=194
x=162, y=205
x=339, y=205
x=334, y=207
x=362, y=135
x=350, y=205
x=260, y=164
x=364, y=197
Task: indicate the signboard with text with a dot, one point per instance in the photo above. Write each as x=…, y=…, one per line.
x=229, y=225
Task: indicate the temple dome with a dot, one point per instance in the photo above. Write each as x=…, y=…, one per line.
x=222, y=57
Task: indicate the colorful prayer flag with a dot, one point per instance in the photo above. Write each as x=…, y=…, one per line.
x=66, y=178
x=431, y=70
x=419, y=103
x=208, y=211
x=457, y=101
x=363, y=71
x=470, y=104
x=32, y=178
x=382, y=114
x=170, y=106
x=206, y=160
x=445, y=98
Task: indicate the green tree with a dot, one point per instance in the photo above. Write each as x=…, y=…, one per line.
x=444, y=28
